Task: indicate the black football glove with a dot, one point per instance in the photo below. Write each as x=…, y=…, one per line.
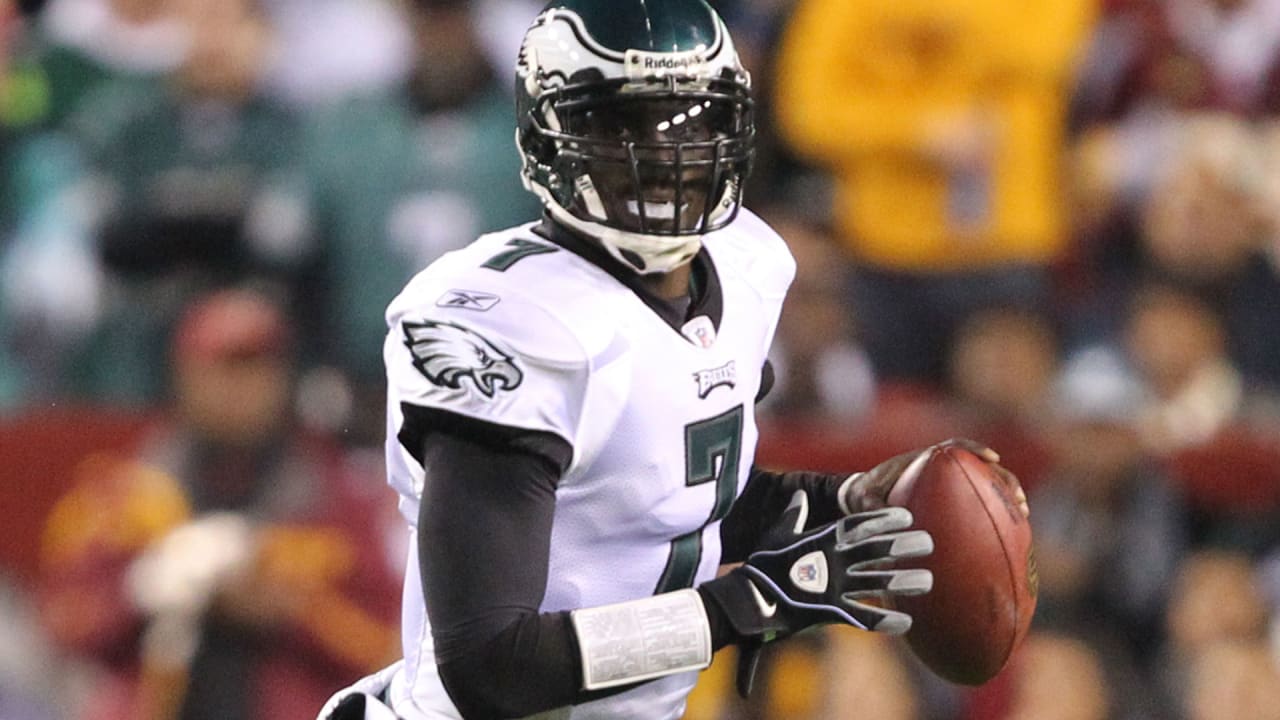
x=799, y=579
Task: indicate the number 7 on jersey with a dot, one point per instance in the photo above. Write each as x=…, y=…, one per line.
x=711, y=448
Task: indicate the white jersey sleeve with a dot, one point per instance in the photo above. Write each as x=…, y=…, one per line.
x=468, y=341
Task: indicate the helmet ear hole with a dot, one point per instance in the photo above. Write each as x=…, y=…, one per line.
x=586, y=75
x=540, y=148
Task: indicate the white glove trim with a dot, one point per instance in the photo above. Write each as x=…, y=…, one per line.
x=842, y=495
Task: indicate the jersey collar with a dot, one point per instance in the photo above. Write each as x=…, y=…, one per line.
x=706, y=297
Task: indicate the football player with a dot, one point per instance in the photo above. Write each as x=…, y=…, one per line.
x=570, y=407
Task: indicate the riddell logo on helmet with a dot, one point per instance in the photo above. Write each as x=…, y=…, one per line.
x=666, y=63
x=642, y=64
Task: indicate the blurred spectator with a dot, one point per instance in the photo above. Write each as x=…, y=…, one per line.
x=11, y=376
x=1217, y=598
x=459, y=176
x=1000, y=371
x=81, y=48
x=64, y=59
x=1235, y=681
x=820, y=371
x=715, y=694
x=1060, y=678
x=942, y=123
x=1195, y=391
x=1109, y=523
x=1200, y=219
x=329, y=50
x=50, y=278
x=197, y=185
x=1218, y=430
x=234, y=567
x=1202, y=331
x=833, y=674
x=1152, y=55
x=791, y=681
x=1002, y=365
x=400, y=179
x=1203, y=226
x=1184, y=198
x=1118, y=44
x=864, y=676
x=1111, y=172
x=1201, y=612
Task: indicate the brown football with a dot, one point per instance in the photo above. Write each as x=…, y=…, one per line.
x=984, y=571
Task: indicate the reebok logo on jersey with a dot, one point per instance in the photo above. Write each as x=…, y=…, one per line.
x=708, y=380
x=468, y=299
x=446, y=354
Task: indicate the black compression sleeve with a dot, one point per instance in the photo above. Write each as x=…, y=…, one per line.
x=763, y=500
x=484, y=532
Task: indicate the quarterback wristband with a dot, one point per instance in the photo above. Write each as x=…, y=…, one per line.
x=642, y=639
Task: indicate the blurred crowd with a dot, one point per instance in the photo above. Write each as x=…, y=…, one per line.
x=1052, y=226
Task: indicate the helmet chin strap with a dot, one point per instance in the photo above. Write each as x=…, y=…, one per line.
x=644, y=254
x=659, y=253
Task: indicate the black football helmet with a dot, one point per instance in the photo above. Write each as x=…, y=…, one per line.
x=635, y=124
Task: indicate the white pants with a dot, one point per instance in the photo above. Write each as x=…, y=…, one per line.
x=372, y=687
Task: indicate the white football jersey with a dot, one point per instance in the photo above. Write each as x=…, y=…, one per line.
x=517, y=331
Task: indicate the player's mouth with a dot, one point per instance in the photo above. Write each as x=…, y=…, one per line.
x=657, y=210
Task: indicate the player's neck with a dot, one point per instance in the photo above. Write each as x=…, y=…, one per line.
x=669, y=285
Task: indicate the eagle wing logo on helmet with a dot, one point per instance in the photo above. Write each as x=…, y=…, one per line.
x=446, y=354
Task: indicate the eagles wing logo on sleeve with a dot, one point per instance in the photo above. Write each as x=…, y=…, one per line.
x=446, y=354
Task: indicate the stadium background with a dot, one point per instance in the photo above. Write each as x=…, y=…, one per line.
x=1053, y=226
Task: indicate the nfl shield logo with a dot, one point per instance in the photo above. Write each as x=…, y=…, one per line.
x=700, y=331
x=807, y=573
